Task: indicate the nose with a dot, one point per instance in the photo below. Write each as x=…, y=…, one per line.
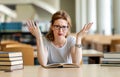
x=60, y=29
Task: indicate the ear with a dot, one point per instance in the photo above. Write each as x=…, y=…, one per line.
x=51, y=27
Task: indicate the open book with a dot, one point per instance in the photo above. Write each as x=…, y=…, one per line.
x=62, y=65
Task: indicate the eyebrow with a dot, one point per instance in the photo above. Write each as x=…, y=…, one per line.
x=60, y=25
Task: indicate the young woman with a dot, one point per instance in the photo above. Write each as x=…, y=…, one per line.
x=58, y=46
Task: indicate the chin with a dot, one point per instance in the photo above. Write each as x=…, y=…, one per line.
x=62, y=36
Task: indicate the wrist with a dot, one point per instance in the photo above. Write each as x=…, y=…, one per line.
x=79, y=35
x=78, y=45
x=78, y=40
x=39, y=38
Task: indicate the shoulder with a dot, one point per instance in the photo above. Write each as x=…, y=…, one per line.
x=70, y=37
x=45, y=40
x=71, y=40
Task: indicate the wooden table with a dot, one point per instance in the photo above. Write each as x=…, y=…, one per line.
x=118, y=47
x=3, y=43
x=88, y=70
x=92, y=53
x=93, y=56
x=103, y=43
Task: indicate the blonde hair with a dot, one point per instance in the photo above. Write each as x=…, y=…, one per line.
x=58, y=15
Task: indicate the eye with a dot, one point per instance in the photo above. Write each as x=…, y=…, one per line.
x=64, y=26
x=56, y=26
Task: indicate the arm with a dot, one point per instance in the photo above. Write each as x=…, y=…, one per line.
x=76, y=52
x=41, y=50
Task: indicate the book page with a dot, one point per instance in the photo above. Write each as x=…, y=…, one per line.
x=62, y=65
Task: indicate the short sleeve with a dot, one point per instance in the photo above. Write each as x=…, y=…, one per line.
x=45, y=41
x=71, y=40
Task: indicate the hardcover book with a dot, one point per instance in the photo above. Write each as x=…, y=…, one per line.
x=11, y=62
x=113, y=65
x=112, y=55
x=10, y=58
x=11, y=68
x=111, y=59
x=10, y=54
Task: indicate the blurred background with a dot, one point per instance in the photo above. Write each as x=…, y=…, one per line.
x=104, y=35
x=105, y=14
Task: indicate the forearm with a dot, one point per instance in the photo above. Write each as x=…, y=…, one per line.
x=78, y=51
x=41, y=53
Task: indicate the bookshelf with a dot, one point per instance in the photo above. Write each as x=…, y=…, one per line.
x=17, y=31
x=24, y=37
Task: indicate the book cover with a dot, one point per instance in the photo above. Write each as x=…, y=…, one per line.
x=113, y=65
x=10, y=58
x=62, y=65
x=11, y=68
x=111, y=55
x=110, y=62
x=10, y=54
x=111, y=59
x=11, y=62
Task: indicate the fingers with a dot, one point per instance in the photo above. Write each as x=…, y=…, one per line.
x=31, y=26
x=84, y=28
x=30, y=23
x=87, y=27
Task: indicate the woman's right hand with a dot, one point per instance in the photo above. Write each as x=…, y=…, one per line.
x=34, y=28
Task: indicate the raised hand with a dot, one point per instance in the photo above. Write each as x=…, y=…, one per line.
x=84, y=30
x=34, y=28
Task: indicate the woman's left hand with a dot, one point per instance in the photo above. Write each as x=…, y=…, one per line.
x=84, y=30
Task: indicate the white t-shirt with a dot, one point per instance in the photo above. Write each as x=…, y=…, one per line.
x=59, y=55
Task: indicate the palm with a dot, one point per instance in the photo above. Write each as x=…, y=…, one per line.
x=84, y=30
x=33, y=28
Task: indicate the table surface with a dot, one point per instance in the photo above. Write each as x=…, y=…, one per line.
x=92, y=53
x=86, y=70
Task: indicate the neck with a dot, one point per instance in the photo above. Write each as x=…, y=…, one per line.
x=59, y=42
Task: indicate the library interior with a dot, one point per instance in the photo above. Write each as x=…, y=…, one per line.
x=100, y=46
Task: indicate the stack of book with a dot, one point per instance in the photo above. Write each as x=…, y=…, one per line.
x=111, y=59
x=10, y=61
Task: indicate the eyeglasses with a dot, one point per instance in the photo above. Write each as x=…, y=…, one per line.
x=57, y=27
